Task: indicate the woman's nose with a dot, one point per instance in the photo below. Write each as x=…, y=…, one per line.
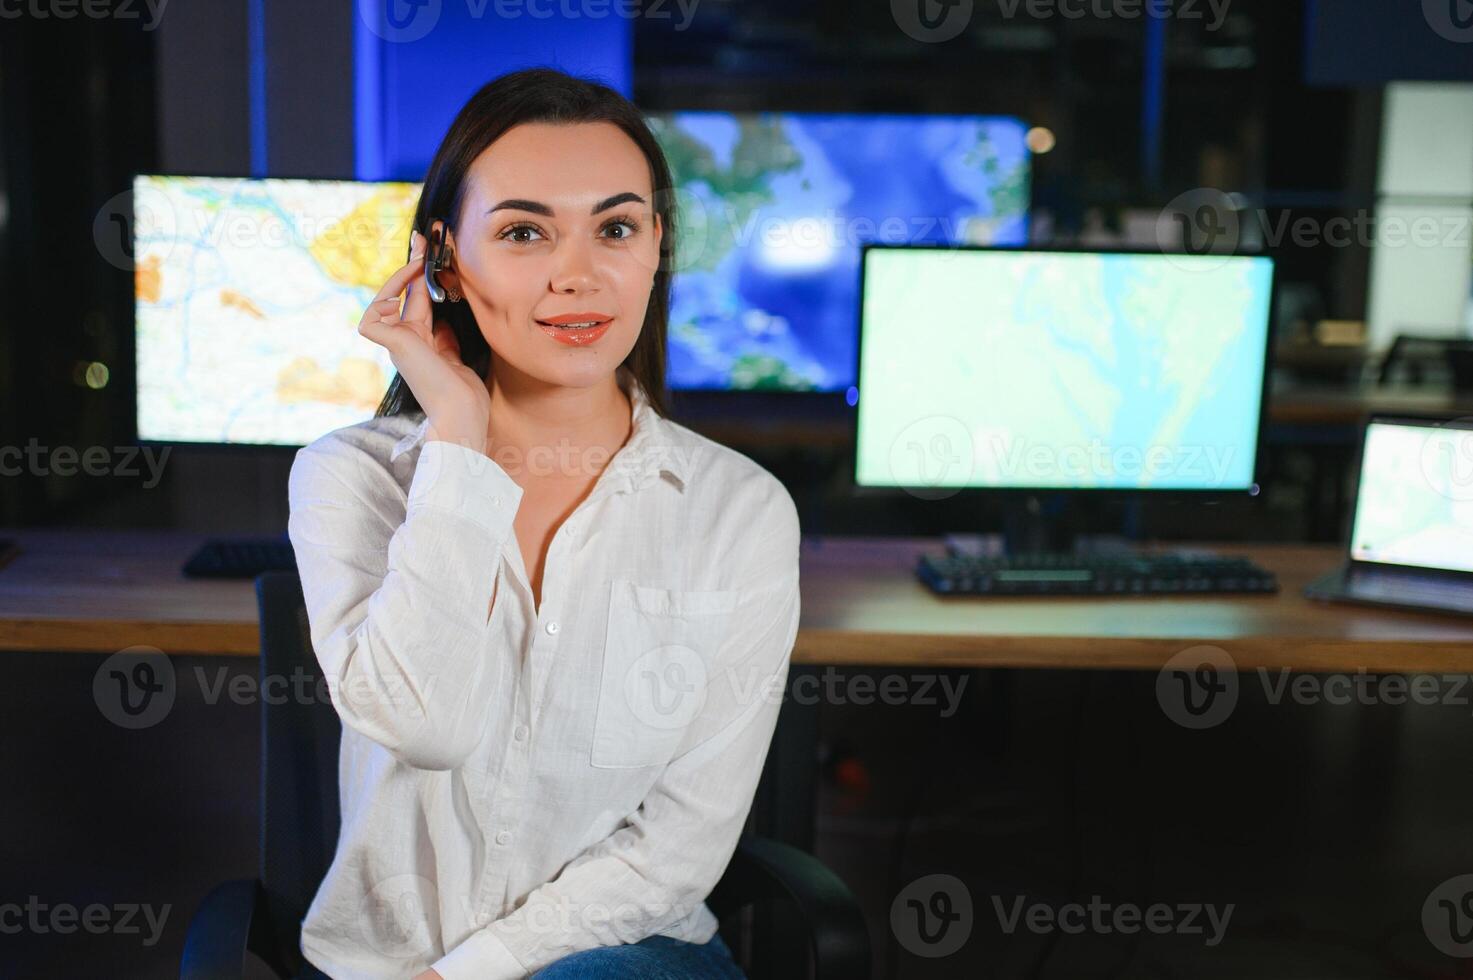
x=573, y=270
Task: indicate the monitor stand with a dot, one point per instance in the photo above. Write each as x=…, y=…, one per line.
x=1043, y=525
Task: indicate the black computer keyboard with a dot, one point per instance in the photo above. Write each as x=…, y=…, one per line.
x=241, y=558
x=1061, y=574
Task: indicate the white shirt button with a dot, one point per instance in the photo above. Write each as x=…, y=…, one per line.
x=495, y=501
x=520, y=733
x=553, y=627
x=504, y=837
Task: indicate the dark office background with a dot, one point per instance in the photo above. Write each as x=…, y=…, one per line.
x=1326, y=827
x=105, y=98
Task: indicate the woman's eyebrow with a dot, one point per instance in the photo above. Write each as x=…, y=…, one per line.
x=536, y=207
x=615, y=201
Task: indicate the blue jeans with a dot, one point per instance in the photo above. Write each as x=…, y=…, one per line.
x=655, y=958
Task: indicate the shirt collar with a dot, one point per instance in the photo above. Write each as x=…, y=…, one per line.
x=653, y=447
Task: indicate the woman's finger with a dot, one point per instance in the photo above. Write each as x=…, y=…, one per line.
x=381, y=332
x=379, y=319
x=400, y=279
x=387, y=308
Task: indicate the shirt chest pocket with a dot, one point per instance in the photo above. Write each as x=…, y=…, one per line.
x=659, y=649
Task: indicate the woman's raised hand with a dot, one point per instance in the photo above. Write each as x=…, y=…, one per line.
x=454, y=397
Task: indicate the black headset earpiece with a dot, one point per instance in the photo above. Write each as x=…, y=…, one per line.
x=437, y=258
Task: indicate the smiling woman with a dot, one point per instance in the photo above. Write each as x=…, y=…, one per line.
x=572, y=141
x=549, y=614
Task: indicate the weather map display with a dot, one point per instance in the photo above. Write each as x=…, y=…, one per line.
x=1072, y=370
x=1414, y=505
x=773, y=208
x=248, y=296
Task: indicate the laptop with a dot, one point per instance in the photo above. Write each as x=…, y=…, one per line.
x=1411, y=535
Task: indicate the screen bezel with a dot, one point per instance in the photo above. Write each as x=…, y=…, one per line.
x=1253, y=489
x=1460, y=422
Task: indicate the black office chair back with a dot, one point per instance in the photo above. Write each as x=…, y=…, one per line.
x=300, y=734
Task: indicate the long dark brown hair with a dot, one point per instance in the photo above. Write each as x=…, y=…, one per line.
x=541, y=95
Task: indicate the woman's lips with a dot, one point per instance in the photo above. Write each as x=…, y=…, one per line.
x=575, y=336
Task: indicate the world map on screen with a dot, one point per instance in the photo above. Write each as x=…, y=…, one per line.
x=774, y=208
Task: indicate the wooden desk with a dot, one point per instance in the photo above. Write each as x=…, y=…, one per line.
x=1348, y=406
x=101, y=591
x=862, y=605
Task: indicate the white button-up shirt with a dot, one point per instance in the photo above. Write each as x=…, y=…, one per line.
x=521, y=783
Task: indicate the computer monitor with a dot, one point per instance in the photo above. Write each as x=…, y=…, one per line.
x=774, y=208
x=1414, y=501
x=1038, y=370
x=248, y=294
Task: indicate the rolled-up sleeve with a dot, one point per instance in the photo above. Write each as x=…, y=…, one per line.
x=663, y=861
x=398, y=610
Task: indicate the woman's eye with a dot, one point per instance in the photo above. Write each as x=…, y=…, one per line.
x=628, y=226
x=521, y=233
